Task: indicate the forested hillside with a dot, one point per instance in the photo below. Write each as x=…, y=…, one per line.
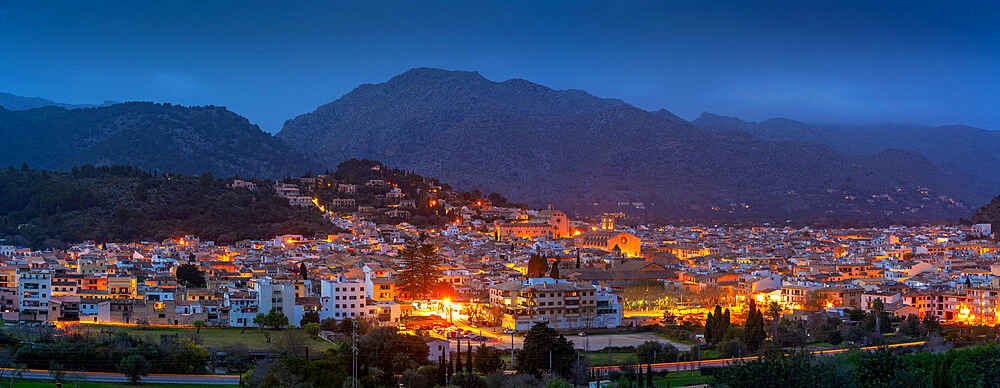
x=42, y=208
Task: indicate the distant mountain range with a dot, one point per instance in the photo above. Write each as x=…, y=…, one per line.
x=537, y=145
x=168, y=137
x=970, y=154
x=14, y=102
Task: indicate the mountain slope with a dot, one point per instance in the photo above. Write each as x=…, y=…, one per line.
x=179, y=139
x=540, y=145
x=967, y=153
x=125, y=204
x=15, y=102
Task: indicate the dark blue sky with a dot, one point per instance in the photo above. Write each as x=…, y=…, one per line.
x=831, y=62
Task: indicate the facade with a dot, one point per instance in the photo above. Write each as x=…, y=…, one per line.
x=610, y=241
x=344, y=299
x=561, y=304
x=34, y=290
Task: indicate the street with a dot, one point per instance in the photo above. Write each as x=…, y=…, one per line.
x=102, y=377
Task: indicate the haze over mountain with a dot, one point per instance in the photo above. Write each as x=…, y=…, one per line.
x=567, y=147
x=15, y=102
x=163, y=136
x=968, y=153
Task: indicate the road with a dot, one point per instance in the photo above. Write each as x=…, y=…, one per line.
x=101, y=377
x=692, y=365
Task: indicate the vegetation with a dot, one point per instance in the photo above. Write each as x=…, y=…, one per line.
x=419, y=276
x=116, y=353
x=44, y=209
x=716, y=325
x=967, y=367
x=545, y=347
x=190, y=274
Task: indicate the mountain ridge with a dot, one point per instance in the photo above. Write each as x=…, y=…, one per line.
x=568, y=147
x=162, y=136
x=15, y=102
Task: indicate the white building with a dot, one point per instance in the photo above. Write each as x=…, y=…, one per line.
x=559, y=303
x=982, y=230
x=274, y=295
x=344, y=299
x=243, y=308
x=34, y=288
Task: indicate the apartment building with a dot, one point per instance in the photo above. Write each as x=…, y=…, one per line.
x=345, y=299
x=560, y=303
x=34, y=290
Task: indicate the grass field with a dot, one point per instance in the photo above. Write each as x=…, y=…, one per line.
x=214, y=337
x=680, y=379
x=23, y=383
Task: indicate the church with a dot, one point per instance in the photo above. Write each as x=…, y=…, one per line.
x=611, y=241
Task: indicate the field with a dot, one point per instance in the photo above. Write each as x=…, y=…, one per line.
x=253, y=339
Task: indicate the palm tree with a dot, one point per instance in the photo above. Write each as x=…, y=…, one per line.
x=402, y=362
x=878, y=308
x=774, y=311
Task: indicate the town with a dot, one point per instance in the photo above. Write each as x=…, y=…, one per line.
x=450, y=267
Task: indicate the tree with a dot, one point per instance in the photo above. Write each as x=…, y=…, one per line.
x=717, y=325
x=188, y=273
x=911, y=326
x=458, y=358
x=487, y=360
x=878, y=308
x=774, y=311
x=198, y=325
x=419, y=273
x=540, y=343
x=753, y=330
x=57, y=372
x=303, y=271
x=309, y=317
x=312, y=328
x=468, y=358
x=732, y=348
x=555, y=270
x=655, y=351
x=134, y=367
x=537, y=266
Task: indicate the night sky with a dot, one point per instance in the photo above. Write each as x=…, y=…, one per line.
x=822, y=62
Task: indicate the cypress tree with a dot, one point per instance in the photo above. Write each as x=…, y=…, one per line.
x=468, y=358
x=649, y=376
x=458, y=362
x=441, y=371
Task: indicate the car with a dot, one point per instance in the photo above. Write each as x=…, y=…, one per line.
x=582, y=334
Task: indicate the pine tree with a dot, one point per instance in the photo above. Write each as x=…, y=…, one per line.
x=419, y=273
